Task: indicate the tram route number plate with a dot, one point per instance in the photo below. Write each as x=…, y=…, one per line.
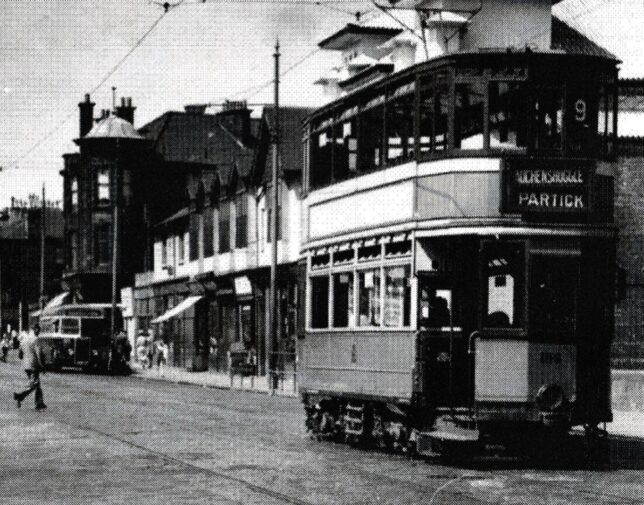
x=546, y=186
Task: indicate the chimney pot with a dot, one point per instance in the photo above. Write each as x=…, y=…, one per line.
x=86, y=115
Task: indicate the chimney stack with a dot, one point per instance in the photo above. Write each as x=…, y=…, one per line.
x=125, y=110
x=86, y=115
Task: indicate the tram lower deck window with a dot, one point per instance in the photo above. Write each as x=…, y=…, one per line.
x=343, y=300
x=320, y=302
x=369, y=308
x=504, y=286
x=397, y=296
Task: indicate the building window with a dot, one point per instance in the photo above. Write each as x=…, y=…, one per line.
x=164, y=253
x=73, y=250
x=74, y=194
x=468, y=115
x=208, y=232
x=180, y=249
x=241, y=221
x=224, y=227
x=102, y=244
x=103, y=180
x=369, y=307
x=320, y=302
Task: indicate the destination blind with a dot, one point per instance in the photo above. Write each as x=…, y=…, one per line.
x=546, y=186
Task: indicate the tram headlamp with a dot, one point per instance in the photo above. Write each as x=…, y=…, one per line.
x=550, y=397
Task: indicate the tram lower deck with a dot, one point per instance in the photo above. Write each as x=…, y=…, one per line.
x=458, y=337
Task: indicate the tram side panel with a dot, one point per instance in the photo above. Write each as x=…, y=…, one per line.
x=377, y=364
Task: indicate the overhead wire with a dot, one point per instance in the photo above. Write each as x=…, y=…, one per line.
x=110, y=73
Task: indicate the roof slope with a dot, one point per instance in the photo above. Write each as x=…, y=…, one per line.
x=567, y=39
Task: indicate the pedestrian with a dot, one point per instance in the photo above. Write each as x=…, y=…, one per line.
x=142, y=349
x=32, y=363
x=162, y=354
x=150, y=347
x=6, y=343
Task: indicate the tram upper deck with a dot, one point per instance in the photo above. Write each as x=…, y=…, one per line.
x=466, y=140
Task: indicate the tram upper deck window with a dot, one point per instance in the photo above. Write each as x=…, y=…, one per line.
x=320, y=302
x=441, y=112
x=343, y=300
x=370, y=136
x=345, y=156
x=468, y=115
x=554, y=287
x=504, y=281
x=581, y=114
x=606, y=121
x=507, y=115
x=426, y=107
x=322, y=154
x=397, y=296
x=369, y=308
x=546, y=118
x=400, y=111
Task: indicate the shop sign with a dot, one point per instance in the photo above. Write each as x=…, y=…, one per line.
x=546, y=186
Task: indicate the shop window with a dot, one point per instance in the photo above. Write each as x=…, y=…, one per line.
x=102, y=243
x=241, y=221
x=369, y=309
x=468, y=115
x=400, y=112
x=103, y=181
x=397, y=296
x=319, y=302
x=504, y=268
x=224, y=227
x=343, y=300
x=321, y=155
x=245, y=326
x=606, y=121
x=547, y=118
x=370, y=136
x=74, y=194
x=345, y=156
x=426, y=110
x=441, y=113
x=507, y=115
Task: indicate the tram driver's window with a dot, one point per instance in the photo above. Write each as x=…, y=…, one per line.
x=504, y=286
x=319, y=302
x=507, y=115
x=436, y=307
x=468, y=116
x=343, y=300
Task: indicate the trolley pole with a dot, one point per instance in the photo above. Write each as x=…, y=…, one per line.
x=272, y=346
x=42, y=248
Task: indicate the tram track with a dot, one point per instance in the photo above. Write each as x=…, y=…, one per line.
x=439, y=480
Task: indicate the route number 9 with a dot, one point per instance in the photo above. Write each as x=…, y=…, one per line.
x=580, y=110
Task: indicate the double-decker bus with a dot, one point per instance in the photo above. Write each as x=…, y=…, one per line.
x=78, y=336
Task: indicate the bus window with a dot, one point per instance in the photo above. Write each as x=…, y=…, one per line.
x=69, y=326
x=504, y=283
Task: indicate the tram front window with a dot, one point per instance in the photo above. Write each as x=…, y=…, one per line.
x=70, y=326
x=554, y=286
x=504, y=265
x=547, y=118
x=507, y=113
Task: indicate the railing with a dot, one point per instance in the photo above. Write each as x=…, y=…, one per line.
x=282, y=374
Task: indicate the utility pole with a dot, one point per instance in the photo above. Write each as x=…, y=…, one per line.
x=272, y=348
x=115, y=240
x=42, y=248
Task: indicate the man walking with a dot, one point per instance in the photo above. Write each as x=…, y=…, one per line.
x=32, y=363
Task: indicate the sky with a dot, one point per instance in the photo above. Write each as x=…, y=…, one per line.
x=52, y=52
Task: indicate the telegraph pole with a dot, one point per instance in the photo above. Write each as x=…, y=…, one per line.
x=42, y=248
x=272, y=348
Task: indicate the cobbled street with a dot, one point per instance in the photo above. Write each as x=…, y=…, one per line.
x=123, y=440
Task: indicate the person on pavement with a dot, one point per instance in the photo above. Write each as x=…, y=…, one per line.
x=32, y=362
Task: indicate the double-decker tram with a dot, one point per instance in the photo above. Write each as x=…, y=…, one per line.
x=460, y=254
x=78, y=336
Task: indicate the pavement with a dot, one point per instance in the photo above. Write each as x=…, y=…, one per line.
x=627, y=423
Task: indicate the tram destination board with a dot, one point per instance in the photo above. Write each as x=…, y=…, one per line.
x=546, y=186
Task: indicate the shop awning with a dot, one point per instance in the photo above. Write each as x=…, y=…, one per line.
x=178, y=309
x=56, y=301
